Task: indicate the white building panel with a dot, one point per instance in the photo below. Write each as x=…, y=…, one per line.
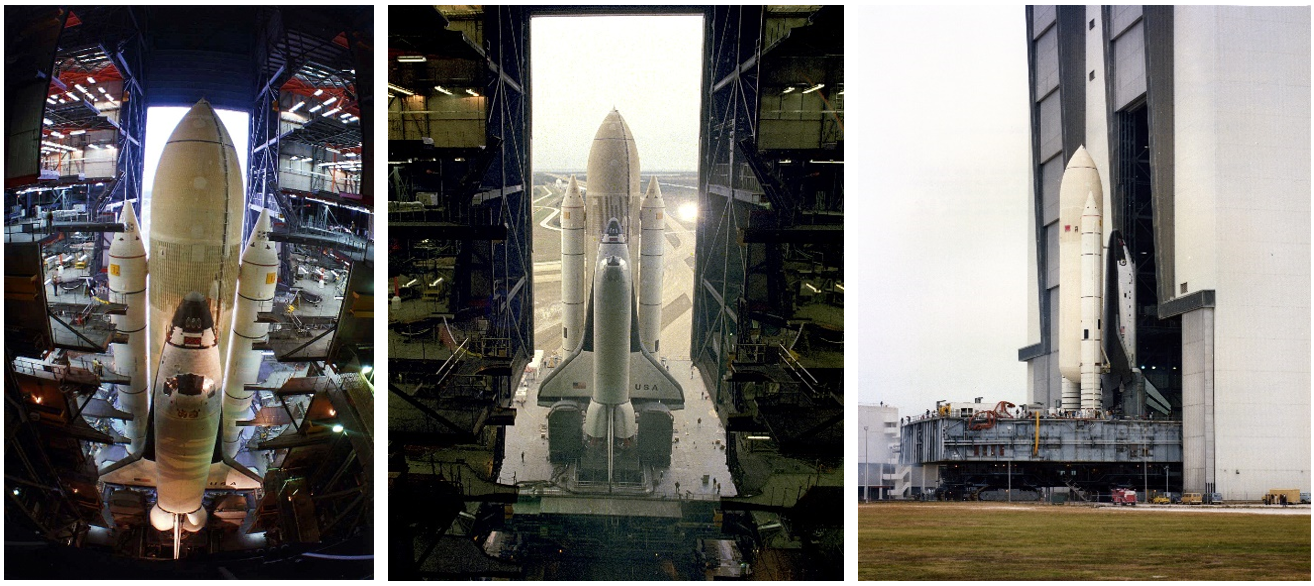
x=1242, y=218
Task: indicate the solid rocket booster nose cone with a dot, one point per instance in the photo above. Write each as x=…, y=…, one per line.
x=262, y=228
x=1081, y=160
x=573, y=196
x=654, y=195
x=1091, y=208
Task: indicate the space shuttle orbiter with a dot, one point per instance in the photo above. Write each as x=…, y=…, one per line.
x=610, y=326
x=197, y=214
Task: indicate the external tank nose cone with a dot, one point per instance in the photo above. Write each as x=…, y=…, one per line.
x=193, y=314
x=1081, y=159
x=614, y=128
x=201, y=123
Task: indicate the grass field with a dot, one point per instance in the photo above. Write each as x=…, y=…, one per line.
x=995, y=541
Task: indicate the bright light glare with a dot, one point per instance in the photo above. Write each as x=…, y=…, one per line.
x=688, y=212
x=337, y=428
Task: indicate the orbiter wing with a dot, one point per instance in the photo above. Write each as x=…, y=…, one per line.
x=649, y=380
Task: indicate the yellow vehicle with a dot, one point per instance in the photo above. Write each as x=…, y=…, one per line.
x=1274, y=496
x=1192, y=498
x=1161, y=499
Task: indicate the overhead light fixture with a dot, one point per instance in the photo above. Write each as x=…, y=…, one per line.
x=296, y=107
x=337, y=428
x=471, y=92
x=47, y=122
x=318, y=92
x=51, y=99
x=366, y=369
x=353, y=155
x=442, y=89
x=91, y=79
x=411, y=58
x=331, y=112
x=330, y=100
x=94, y=146
x=79, y=87
x=71, y=95
x=435, y=283
x=77, y=132
x=400, y=89
x=788, y=90
x=103, y=90
x=56, y=134
x=814, y=88
x=316, y=108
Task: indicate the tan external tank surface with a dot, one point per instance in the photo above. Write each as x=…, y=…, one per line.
x=196, y=224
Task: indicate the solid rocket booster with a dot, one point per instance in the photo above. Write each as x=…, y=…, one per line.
x=613, y=179
x=652, y=223
x=1081, y=181
x=187, y=411
x=611, y=341
x=127, y=284
x=196, y=222
x=572, y=267
x=255, y=289
x=1092, y=306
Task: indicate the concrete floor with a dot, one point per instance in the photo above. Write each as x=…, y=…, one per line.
x=698, y=449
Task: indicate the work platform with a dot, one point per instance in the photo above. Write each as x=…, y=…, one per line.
x=1023, y=458
x=939, y=440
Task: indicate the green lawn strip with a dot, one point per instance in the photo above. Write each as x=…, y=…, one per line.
x=970, y=541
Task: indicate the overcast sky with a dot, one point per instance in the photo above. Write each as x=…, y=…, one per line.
x=936, y=224
x=648, y=67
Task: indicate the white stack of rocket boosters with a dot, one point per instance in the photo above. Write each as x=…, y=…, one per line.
x=572, y=267
x=197, y=212
x=1081, y=285
x=652, y=223
x=127, y=284
x=257, y=281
